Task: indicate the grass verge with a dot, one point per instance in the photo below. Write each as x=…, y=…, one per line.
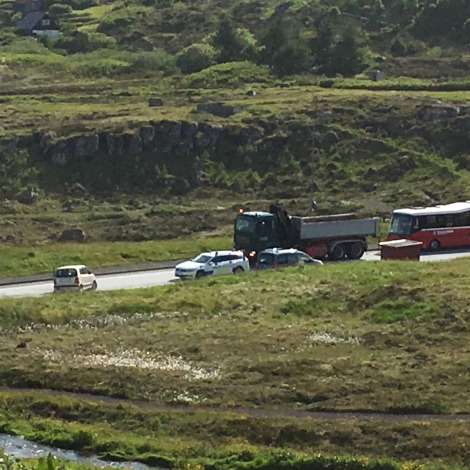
x=18, y=261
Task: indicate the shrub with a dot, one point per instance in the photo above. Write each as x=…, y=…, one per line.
x=233, y=43
x=15, y=172
x=285, y=49
x=346, y=57
x=85, y=42
x=25, y=46
x=158, y=3
x=446, y=17
x=99, y=68
x=76, y=4
x=229, y=75
x=196, y=57
x=153, y=61
x=60, y=9
x=398, y=48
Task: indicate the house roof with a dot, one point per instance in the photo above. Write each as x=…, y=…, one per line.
x=29, y=21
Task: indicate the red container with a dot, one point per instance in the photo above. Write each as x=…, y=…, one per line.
x=400, y=249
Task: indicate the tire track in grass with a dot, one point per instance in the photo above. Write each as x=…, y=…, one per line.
x=258, y=412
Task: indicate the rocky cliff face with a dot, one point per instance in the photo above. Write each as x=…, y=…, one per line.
x=181, y=138
x=356, y=149
x=108, y=159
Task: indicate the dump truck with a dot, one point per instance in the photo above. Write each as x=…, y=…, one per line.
x=331, y=236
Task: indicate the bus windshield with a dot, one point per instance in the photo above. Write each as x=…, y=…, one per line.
x=401, y=224
x=245, y=223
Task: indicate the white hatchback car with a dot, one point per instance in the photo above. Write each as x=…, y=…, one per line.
x=77, y=277
x=213, y=263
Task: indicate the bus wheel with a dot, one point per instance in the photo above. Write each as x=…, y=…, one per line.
x=337, y=253
x=435, y=245
x=356, y=250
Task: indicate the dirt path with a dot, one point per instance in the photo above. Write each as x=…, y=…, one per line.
x=259, y=412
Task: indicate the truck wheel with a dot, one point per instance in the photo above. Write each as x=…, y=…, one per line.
x=337, y=253
x=435, y=245
x=356, y=250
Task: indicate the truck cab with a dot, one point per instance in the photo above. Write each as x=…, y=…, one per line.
x=254, y=232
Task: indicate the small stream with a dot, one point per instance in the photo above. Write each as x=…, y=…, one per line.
x=21, y=448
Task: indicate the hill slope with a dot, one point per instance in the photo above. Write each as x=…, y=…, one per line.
x=250, y=101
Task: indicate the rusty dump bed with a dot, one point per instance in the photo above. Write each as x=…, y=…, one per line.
x=311, y=228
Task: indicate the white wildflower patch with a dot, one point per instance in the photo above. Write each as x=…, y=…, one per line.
x=93, y=323
x=133, y=358
x=186, y=397
x=329, y=338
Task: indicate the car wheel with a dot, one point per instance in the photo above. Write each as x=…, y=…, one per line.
x=337, y=253
x=238, y=270
x=94, y=286
x=200, y=274
x=80, y=288
x=356, y=250
x=435, y=245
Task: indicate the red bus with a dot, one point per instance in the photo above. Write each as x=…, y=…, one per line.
x=446, y=226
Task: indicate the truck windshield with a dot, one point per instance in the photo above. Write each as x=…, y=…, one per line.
x=401, y=224
x=245, y=223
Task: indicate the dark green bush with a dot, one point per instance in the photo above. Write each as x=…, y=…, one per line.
x=80, y=42
x=153, y=61
x=74, y=4
x=196, y=57
x=58, y=9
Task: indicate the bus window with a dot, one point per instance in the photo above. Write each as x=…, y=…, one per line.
x=465, y=218
x=431, y=221
x=441, y=221
x=462, y=219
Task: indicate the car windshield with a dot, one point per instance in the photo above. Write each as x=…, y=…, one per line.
x=245, y=223
x=202, y=258
x=66, y=272
x=400, y=224
x=266, y=259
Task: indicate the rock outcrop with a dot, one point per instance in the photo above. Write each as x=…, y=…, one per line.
x=72, y=234
x=433, y=113
x=180, y=138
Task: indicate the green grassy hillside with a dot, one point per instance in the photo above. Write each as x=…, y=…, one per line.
x=299, y=110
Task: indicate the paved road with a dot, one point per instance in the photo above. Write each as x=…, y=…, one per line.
x=105, y=282
x=164, y=276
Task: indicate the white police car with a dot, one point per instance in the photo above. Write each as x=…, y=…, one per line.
x=213, y=263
